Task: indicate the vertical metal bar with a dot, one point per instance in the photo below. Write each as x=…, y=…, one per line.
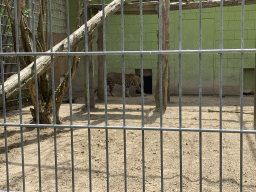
x=19, y=89
x=104, y=61
x=105, y=90
x=70, y=97
x=88, y=94
x=6, y=157
x=123, y=65
x=87, y=71
x=254, y=118
x=241, y=98
x=87, y=67
x=21, y=128
x=35, y=68
x=220, y=88
x=123, y=94
x=161, y=93
x=69, y=62
x=141, y=66
x=37, y=103
x=52, y=62
x=200, y=93
x=18, y=59
x=124, y=132
x=4, y=110
x=29, y=3
x=53, y=97
x=180, y=92
x=142, y=98
x=90, y=159
x=160, y=63
x=241, y=125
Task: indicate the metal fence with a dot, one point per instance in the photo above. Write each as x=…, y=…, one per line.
x=161, y=129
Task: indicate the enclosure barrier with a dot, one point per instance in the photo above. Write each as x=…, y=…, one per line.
x=106, y=127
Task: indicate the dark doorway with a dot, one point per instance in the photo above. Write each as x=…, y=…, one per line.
x=147, y=78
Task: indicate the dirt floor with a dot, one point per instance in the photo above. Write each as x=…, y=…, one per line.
x=171, y=150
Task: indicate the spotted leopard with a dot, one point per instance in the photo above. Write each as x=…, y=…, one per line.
x=130, y=80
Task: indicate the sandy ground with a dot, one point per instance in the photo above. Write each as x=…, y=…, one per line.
x=171, y=150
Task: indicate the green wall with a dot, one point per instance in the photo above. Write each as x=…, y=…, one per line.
x=190, y=40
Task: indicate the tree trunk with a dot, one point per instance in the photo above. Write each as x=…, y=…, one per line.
x=26, y=46
x=63, y=87
x=165, y=58
x=44, y=62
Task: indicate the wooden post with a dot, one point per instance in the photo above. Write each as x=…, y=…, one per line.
x=100, y=63
x=165, y=58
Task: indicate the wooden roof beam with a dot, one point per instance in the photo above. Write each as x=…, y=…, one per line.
x=151, y=7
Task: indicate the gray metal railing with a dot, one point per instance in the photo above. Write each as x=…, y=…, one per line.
x=124, y=127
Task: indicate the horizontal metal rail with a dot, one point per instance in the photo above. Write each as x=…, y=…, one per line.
x=154, y=52
x=129, y=128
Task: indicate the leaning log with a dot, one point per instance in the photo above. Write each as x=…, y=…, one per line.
x=43, y=62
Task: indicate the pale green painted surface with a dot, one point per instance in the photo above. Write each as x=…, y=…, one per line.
x=190, y=62
x=190, y=33
x=249, y=80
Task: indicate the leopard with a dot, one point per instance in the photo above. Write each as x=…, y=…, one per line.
x=131, y=79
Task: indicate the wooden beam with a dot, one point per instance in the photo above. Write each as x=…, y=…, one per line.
x=151, y=6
